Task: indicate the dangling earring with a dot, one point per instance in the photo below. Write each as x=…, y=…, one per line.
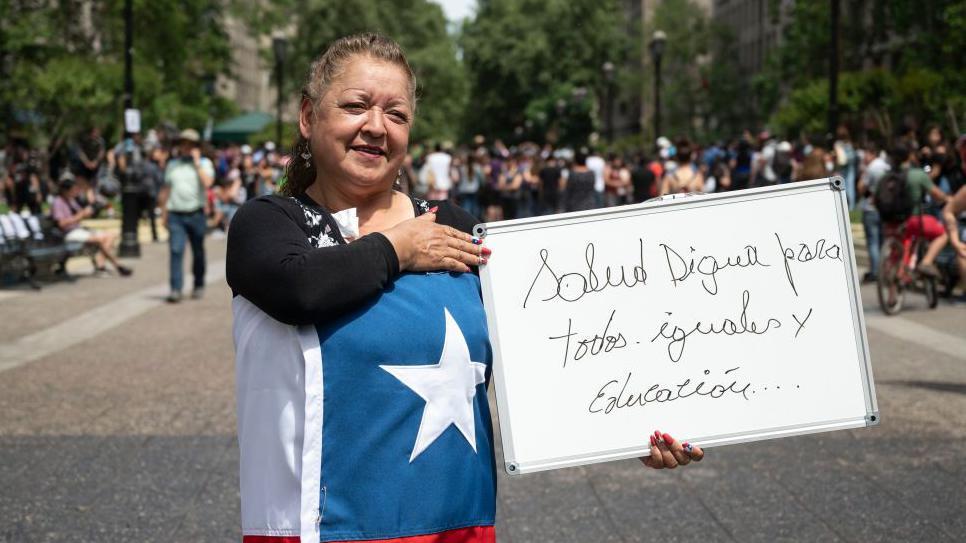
x=307, y=156
x=399, y=178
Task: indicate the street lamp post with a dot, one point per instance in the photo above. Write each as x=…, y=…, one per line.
x=280, y=48
x=608, y=69
x=833, y=76
x=130, y=187
x=657, y=51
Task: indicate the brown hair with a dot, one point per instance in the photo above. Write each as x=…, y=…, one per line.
x=326, y=68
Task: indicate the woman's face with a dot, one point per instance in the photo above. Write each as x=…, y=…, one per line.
x=359, y=133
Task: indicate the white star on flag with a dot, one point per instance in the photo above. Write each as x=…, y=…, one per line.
x=448, y=388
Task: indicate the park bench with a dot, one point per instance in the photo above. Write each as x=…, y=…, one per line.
x=31, y=245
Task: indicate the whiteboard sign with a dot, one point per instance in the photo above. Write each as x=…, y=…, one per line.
x=719, y=319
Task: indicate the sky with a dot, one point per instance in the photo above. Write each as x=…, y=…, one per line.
x=457, y=9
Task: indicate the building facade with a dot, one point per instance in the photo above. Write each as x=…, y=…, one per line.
x=756, y=26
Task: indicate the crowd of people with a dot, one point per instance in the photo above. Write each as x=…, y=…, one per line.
x=188, y=185
x=493, y=181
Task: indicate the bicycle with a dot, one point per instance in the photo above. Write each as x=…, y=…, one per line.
x=897, y=269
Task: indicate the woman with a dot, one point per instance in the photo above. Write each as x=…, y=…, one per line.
x=344, y=420
x=68, y=214
x=578, y=189
x=617, y=184
x=685, y=178
x=513, y=186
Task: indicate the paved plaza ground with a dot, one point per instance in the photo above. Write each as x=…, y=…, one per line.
x=117, y=423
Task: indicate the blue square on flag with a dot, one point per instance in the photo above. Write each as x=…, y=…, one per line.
x=407, y=443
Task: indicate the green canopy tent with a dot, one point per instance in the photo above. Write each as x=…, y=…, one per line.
x=240, y=128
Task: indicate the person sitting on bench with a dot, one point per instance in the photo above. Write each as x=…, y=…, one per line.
x=68, y=214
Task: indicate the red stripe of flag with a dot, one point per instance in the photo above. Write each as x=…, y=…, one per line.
x=473, y=534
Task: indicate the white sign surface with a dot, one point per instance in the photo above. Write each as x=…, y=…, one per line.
x=132, y=121
x=719, y=319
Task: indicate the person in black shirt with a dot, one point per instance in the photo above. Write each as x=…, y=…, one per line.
x=579, y=193
x=642, y=180
x=551, y=178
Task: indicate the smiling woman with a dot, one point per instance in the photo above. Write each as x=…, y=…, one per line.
x=360, y=333
x=343, y=285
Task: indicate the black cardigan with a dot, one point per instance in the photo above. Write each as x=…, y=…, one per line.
x=287, y=256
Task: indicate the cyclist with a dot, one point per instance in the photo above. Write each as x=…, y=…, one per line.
x=916, y=185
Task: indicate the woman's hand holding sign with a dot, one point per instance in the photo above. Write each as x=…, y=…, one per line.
x=667, y=452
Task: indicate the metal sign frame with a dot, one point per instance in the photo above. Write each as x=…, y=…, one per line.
x=674, y=203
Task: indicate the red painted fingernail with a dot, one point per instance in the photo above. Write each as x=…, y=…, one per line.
x=434, y=209
x=657, y=435
x=668, y=439
x=653, y=441
x=486, y=251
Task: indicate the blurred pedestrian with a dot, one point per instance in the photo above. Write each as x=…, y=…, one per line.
x=89, y=154
x=439, y=162
x=511, y=186
x=551, y=180
x=686, y=177
x=617, y=185
x=740, y=164
x=23, y=185
x=762, y=170
x=846, y=163
x=580, y=193
x=182, y=200
x=877, y=167
x=596, y=164
x=68, y=214
x=471, y=178
x=814, y=166
x=783, y=163
x=643, y=180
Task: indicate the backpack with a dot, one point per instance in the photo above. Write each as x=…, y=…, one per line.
x=892, y=197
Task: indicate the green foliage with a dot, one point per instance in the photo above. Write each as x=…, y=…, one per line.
x=684, y=93
x=63, y=66
x=419, y=26
x=727, y=100
x=921, y=41
x=870, y=99
x=523, y=56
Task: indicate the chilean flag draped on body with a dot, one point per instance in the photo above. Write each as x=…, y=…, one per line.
x=406, y=442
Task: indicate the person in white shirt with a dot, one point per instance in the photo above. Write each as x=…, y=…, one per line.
x=875, y=170
x=439, y=163
x=596, y=164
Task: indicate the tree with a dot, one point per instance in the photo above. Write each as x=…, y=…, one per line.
x=419, y=26
x=729, y=111
x=537, y=64
x=684, y=94
x=912, y=47
x=62, y=64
